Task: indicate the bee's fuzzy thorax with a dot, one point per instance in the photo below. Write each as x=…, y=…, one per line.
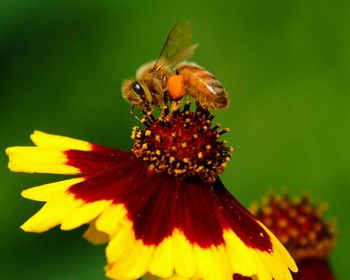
x=144, y=68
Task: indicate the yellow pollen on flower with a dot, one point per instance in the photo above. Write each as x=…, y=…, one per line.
x=148, y=132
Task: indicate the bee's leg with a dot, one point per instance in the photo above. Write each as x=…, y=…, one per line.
x=187, y=106
x=175, y=105
x=145, y=119
x=165, y=110
x=148, y=117
x=132, y=112
x=148, y=113
x=201, y=110
x=165, y=93
x=166, y=97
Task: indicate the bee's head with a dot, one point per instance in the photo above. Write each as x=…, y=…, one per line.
x=137, y=93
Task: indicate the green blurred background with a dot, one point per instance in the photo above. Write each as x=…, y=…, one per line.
x=284, y=63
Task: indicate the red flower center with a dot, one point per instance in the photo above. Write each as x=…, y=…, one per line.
x=183, y=143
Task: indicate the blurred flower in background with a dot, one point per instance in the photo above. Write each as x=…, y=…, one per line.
x=300, y=226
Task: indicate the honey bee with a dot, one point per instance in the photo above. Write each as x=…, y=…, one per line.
x=171, y=77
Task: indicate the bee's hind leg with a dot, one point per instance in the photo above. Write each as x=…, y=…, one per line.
x=202, y=110
x=174, y=104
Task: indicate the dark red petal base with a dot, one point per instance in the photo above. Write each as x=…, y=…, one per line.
x=240, y=277
x=157, y=203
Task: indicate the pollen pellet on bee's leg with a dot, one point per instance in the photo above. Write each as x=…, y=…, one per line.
x=176, y=87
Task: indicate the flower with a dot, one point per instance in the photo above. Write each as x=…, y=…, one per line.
x=300, y=226
x=161, y=207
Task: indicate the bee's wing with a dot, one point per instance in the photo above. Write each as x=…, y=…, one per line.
x=177, y=47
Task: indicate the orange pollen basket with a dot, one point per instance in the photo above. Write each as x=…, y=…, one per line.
x=176, y=87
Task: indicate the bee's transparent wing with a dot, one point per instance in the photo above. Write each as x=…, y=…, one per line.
x=177, y=47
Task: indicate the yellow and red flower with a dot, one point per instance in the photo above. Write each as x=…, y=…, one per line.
x=161, y=207
x=300, y=226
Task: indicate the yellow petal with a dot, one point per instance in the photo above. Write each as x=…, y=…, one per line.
x=212, y=263
x=276, y=263
x=95, y=236
x=162, y=259
x=41, y=160
x=45, y=140
x=279, y=249
x=84, y=214
x=111, y=219
x=241, y=258
x=51, y=190
x=264, y=265
x=119, y=241
x=183, y=256
x=128, y=258
x=177, y=277
x=51, y=214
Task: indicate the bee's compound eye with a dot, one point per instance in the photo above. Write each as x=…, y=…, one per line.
x=137, y=88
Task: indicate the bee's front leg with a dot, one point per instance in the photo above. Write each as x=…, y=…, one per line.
x=132, y=112
x=165, y=96
x=148, y=113
x=165, y=109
